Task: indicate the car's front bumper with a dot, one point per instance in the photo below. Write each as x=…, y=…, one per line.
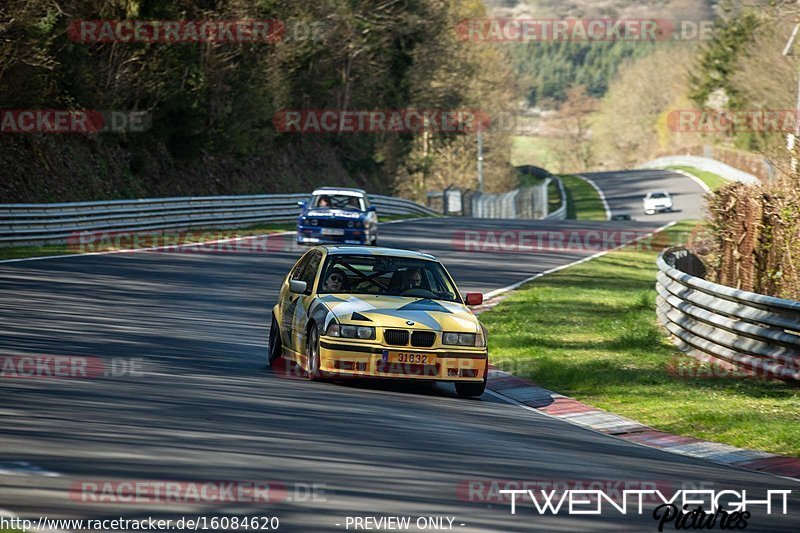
x=314, y=235
x=657, y=207
x=345, y=357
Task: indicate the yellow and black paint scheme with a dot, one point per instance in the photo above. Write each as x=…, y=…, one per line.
x=301, y=322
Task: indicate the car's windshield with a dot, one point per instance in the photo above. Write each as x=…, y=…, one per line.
x=658, y=195
x=337, y=201
x=386, y=275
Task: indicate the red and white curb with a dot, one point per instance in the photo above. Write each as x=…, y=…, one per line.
x=522, y=392
x=529, y=395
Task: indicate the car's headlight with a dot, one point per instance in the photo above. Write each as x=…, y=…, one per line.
x=314, y=222
x=460, y=339
x=350, y=223
x=350, y=332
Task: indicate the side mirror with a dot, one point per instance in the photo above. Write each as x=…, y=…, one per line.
x=371, y=208
x=298, y=287
x=302, y=204
x=474, y=298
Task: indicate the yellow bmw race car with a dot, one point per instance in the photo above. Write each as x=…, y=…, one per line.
x=378, y=313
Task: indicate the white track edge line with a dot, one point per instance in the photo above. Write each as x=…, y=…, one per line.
x=692, y=177
x=599, y=191
x=498, y=292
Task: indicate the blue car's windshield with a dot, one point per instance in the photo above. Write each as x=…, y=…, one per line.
x=386, y=275
x=337, y=201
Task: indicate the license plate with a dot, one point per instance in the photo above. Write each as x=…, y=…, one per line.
x=415, y=358
x=332, y=231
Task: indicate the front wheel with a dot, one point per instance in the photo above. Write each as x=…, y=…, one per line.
x=312, y=351
x=275, y=347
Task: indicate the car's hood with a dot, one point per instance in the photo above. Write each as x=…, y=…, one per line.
x=332, y=213
x=396, y=311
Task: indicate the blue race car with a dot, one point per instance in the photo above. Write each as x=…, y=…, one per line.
x=337, y=216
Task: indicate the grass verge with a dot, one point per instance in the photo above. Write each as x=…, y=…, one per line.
x=191, y=236
x=590, y=332
x=713, y=181
x=583, y=201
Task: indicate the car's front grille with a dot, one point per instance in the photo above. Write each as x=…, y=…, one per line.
x=396, y=337
x=424, y=339
x=331, y=222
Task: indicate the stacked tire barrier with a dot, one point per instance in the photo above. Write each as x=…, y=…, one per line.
x=753, y=332
x=55, y=223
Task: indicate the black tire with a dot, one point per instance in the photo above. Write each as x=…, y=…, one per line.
x=312, y=351
x=275, y=346
x=470, y=390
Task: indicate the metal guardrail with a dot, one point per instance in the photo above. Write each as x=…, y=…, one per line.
x=525, y=202
x=757, y=333
x=561, y=212
x=55, y=223
x=702, y=163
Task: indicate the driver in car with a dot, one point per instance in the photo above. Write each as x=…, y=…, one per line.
x=413, y=280
x=335, y=281
x=324, y=201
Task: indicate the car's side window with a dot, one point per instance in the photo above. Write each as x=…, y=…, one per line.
x=310, y=270
x=300, y=266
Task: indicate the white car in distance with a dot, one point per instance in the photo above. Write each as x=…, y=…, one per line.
x=656, y=202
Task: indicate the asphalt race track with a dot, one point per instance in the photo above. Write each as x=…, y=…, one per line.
x=204, y=406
